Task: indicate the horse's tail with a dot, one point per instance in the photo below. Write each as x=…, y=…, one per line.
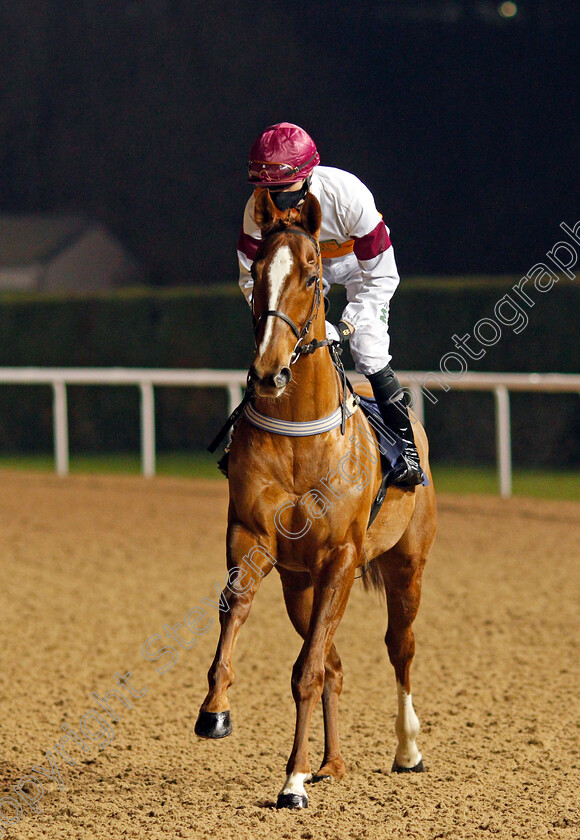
x=372, y=578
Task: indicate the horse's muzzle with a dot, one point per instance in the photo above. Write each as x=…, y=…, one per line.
x=270, y=384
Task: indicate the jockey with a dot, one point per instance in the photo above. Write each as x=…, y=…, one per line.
x=356, y=253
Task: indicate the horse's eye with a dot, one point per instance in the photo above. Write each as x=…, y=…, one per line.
x=311, y=280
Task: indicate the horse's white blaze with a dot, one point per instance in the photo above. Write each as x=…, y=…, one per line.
x=295, y=783
x=407, y=727
x=280, y=268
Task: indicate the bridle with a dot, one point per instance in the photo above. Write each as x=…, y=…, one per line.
x=300, y=348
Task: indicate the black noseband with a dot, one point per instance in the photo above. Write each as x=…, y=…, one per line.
x=276, y=314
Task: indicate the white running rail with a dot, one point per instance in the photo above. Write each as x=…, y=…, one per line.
x=417, y=382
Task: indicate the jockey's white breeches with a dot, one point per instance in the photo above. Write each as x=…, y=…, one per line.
x=369, y=344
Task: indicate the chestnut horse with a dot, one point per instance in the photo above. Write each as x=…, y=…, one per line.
x=301, y=504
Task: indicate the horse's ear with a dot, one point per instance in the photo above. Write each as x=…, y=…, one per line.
x=311, y=216
x=264, y=209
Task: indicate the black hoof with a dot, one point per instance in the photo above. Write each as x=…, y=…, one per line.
x=316, y=778
x=418, y=768
x=292, y=800
x=213, y=725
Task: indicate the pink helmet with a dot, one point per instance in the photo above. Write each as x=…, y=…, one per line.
x=282, y=155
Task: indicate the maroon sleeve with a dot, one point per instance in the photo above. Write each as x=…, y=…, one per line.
x=373, y=244
x=248, y=245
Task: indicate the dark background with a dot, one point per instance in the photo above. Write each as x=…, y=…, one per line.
x=464, y=124
x=199, y=327
x=141, y=113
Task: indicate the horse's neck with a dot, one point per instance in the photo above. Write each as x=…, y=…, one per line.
x=313, y=392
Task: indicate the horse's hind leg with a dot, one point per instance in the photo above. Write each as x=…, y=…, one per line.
x=402, y=574
x=298, y=595
x=332, y=763
x=332, y=585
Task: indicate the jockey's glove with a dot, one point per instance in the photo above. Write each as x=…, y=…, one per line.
x=331, y=332
x=345, y=330
x=339, y=333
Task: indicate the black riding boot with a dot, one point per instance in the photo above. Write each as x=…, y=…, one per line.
x=391, y=402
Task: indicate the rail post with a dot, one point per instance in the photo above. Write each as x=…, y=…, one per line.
x=147, y=429
x=503, y=440
x=235, y=396
x=60, y=427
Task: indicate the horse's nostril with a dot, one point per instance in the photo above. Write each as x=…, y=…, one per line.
x=283, y=377
x=269, y=380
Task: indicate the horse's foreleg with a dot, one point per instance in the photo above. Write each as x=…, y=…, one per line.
x=298, y=596
x=402, y=576
x=246, y=567
x=332, y=585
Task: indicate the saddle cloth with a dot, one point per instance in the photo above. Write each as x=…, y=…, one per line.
x=390, y=446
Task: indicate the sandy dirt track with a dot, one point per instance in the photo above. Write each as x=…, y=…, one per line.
x=93, y=567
